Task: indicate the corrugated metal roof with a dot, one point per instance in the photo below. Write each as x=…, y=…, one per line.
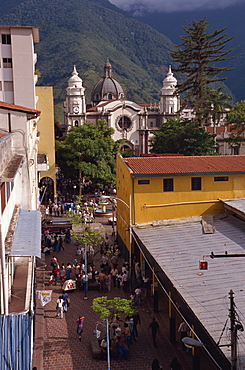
x=235, y=205
x=187, y=164
x=27, y=236
x=177, y=248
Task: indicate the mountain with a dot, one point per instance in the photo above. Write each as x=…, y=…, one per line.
x=231, y=18
x=85, y=33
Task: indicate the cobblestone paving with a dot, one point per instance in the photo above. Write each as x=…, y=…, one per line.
x=63, y=350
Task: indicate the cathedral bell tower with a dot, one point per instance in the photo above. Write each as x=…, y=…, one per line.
x=75, y=106
x=169, y=100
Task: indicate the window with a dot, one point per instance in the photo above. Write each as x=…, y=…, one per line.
x=221, y=178
x=124, y=122
x=1, y=86
x=143, y=182
x=76, y=123
x=168, y=184
x=109, y=96
x=7, y=62
x=235, y=150
x=196, y=183
x=6, y=39
x=8, y=86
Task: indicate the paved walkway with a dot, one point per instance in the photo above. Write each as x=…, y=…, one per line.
x=57, y=345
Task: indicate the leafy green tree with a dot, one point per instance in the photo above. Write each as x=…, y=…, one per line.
x=218, y=102
x=236, y=120
x=84, y=234
x=109, y=308
x=197, y=59
x=89, y=151
x=183, y=137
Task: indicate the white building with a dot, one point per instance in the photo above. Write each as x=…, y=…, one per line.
x=17, y=67
x=20, y=220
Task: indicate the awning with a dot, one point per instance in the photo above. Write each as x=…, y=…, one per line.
x=27, y=236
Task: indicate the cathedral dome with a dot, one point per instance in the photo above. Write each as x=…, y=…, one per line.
x=107, y=88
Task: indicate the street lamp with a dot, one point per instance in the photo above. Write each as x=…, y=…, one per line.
x=85, y=272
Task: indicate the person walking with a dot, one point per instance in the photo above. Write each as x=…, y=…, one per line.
x=154, y=326
x=136, y=321
x=66, y=299
x=138, y=299
x=183, y=330
x=56, y=272
x=80, y=323
x=155, y=365
x=61, y=243
x=175, y=364
x=59, y=307
x=114, y=273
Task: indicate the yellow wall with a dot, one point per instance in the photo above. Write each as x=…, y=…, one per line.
x=124, y=192
x=46, y=128
x=195, y=200
x=180, y=203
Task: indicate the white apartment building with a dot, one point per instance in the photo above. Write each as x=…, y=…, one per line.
x=17, y=65
x=20, y=219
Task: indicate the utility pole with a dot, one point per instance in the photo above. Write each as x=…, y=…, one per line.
x=233, y=330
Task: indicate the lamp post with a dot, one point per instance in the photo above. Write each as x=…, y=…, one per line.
x=108, y=345
x=85, y=272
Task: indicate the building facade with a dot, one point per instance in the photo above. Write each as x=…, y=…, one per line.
x=172, y=212
x=20, y=219
x=46, y=147
x=131, y=122
x=17, y=68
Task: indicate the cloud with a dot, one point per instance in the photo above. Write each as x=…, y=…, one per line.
x=139, y=7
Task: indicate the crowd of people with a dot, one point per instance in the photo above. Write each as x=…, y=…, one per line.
x=109, y=275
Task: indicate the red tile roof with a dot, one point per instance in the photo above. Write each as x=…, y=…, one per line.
x=19, y=108
x=186, y=165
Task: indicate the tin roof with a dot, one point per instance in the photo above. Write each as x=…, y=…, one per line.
x=186, y=164
x=178, y=247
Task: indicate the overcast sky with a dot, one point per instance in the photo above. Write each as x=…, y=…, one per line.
x=172, y=5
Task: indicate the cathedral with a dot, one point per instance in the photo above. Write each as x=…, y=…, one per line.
x=131, y=122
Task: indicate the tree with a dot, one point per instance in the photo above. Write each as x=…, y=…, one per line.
x=89, y=151
x=236, y=120
x=197, y=59
x=85, y=234
x=109, y=308
x=183, y=137
x=218, y=102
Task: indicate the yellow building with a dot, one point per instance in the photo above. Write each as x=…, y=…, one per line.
x=174, y=187
x=46, y=148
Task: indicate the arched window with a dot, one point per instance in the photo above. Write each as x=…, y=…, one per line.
x=109, y=96
x=124, y=122
x=76, y=123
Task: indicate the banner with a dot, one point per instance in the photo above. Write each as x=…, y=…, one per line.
x=45, y=296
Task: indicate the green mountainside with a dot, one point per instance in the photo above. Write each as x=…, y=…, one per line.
x=85, y=33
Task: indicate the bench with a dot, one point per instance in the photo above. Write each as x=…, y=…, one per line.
x=95, y=347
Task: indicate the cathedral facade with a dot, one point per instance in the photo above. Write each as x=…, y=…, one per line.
x=131, y=122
